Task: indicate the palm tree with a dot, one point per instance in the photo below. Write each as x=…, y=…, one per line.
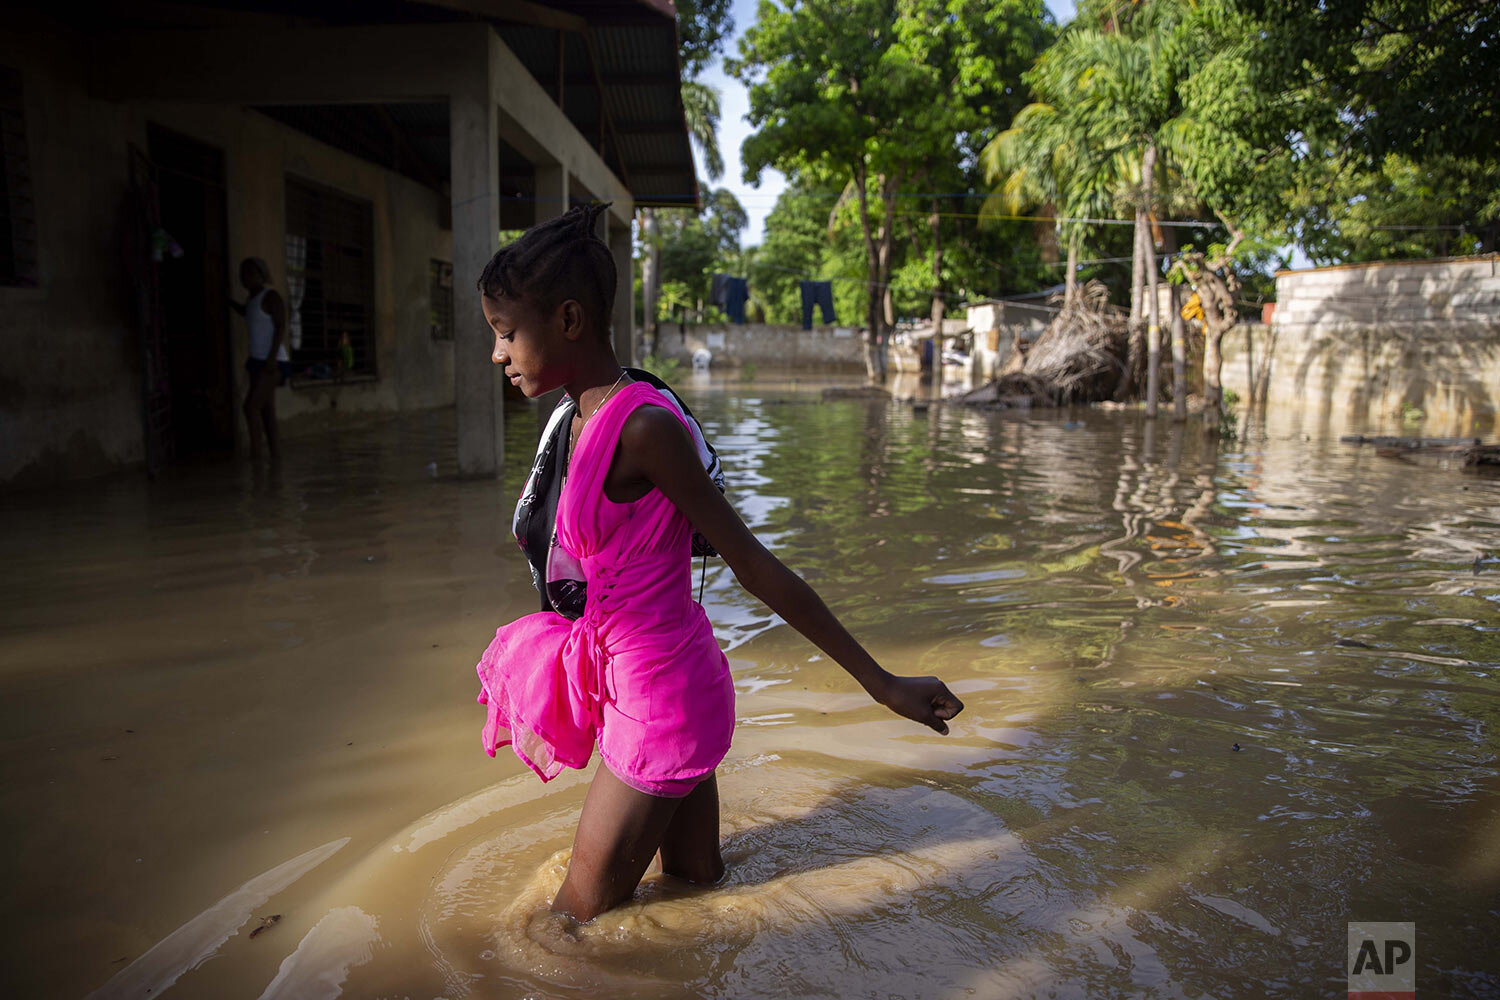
x=700, y=108
x=1123, y=96
x=1044, y=162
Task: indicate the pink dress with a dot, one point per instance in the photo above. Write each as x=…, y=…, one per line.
x=640, y=672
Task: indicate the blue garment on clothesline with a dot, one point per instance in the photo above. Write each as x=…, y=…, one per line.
x=730, y=294
x=820, y=294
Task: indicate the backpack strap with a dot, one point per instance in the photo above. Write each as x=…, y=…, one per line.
x=535, y=521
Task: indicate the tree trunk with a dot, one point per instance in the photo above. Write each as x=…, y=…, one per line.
x=1153, y=304
x=1135, y=330
x=1217, y=299
x=1213, y=388
x=1179, y=357
x=874, y=358
x=1216, y=294
x=888, y=187
x=1137, y=270
x=1179, y=339
x=1070, y=286
x=939, y=307
x=650, y=273
x=1249, y=365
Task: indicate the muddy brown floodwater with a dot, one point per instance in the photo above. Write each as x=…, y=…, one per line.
x=241, y=745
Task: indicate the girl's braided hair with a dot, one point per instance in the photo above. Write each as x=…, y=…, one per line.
x=555, y=261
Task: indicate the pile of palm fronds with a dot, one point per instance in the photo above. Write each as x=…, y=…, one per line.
x=1077, y=359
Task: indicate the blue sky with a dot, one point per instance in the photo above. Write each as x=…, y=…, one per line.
x=733, y=129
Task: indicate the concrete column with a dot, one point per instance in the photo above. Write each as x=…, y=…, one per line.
x=551, y=191
x=551, y=201
x=624, y=317
x=474, y=154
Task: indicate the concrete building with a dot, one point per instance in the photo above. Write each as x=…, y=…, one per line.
x=370, y=153
x=999, y=323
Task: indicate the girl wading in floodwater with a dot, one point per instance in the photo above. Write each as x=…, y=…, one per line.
x=638, y=670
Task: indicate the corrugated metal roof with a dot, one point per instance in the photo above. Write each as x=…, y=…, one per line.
x=638, y=72
x=639, y=78
x=645, y=138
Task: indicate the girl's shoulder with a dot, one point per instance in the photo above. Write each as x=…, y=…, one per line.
x=652, y=424
x=650, y=407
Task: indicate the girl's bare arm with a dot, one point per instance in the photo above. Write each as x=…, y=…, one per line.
x=656, y=448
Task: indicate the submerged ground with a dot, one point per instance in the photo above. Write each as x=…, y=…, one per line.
x=227, y=698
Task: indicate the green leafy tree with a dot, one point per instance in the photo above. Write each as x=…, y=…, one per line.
x=874, y=95
x=1405, y=208
x=1409, y=77
x=703, y=27
x=693, y=246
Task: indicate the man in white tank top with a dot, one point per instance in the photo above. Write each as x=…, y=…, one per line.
x=269, y=362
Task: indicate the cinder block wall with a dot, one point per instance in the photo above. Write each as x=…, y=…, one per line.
x=1361, y=345
x=766, y=345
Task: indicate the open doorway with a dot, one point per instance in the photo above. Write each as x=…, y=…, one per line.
x=194, y=294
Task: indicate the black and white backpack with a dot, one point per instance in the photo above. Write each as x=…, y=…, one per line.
x=557, y=577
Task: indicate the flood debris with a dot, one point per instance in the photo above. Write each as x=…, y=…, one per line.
x=856, y=392
x=266, y=923
x=1077, y=359
x=1469, y=452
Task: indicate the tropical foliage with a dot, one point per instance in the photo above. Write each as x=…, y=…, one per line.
x=881, y=98
x=945, y=150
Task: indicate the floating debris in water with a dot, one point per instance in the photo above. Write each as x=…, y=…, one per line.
x=1235, y=747
x=267, y=923
x=1352, y=644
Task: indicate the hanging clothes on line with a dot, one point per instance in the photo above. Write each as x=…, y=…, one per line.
x=735, y=297
x=730, y=294
x=820, y=294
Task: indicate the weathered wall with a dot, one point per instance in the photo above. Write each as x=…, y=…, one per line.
x=70, y=374
x=415, y=371
x=1359, y=345
x=70, y=387
x=765, y=345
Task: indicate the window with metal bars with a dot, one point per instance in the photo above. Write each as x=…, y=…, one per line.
x=330, y=282
x=18, y=260
x=440, y=298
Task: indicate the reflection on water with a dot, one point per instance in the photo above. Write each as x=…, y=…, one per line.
x=207, y=678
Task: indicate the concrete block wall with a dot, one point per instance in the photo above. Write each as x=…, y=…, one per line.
x=1363, y=344
x=765, y=345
